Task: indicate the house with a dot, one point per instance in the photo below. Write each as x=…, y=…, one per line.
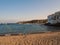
x=54, y=18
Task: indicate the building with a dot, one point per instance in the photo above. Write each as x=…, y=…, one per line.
x=54, y=18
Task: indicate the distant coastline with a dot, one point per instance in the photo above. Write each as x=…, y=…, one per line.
x=52, y=20
x=32, y=22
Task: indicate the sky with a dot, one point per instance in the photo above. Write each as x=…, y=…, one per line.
x=23, y=10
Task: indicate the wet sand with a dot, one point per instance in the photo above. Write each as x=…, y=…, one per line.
x=47, y=38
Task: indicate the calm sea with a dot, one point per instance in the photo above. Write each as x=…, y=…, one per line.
x=25, y=28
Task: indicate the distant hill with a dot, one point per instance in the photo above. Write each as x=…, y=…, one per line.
x=33, y=21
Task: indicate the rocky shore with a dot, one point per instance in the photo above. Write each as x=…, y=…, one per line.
x=55, y=25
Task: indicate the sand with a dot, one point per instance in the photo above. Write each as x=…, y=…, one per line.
x=48, y=38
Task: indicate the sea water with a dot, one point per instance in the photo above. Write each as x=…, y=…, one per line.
x=25, y=28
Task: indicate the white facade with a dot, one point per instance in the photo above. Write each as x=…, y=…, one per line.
x=54, y=18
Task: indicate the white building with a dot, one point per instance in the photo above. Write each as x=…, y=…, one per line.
x=54, y=18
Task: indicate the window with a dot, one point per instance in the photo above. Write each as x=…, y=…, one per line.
x=54, y=18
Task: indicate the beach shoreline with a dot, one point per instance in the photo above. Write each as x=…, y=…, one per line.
x=47, y=38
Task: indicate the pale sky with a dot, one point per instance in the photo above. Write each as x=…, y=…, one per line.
x=22, y=10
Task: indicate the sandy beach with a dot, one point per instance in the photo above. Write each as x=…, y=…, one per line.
x=48, y=38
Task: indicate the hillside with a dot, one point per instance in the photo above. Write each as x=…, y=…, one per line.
x=33, y=21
